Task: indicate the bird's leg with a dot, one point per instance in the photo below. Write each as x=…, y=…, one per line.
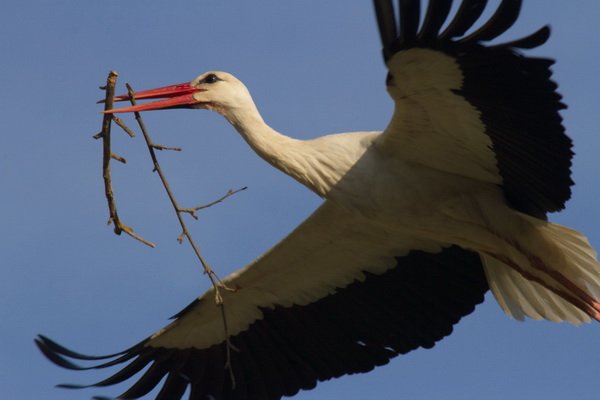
x=572, y=294
x=568, y=284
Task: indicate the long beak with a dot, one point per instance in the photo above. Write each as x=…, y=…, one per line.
x=176, y=96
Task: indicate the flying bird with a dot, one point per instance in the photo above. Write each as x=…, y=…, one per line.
x=417, y=222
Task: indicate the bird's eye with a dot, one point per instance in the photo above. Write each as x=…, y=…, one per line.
x=212, y=78
x=389, y=80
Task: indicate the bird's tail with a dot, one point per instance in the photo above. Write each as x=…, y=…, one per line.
x=557, y=278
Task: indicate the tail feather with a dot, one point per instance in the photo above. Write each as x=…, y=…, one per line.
x=519, y=297
x=582, y=255
x=569, y=264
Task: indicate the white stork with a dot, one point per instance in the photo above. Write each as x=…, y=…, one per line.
x=417, y=223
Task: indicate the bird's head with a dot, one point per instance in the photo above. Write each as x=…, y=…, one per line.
x=214, y=90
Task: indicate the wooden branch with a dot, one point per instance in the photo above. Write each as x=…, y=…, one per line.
x=120, y=227
x=151, y=147
x=107, y=156
x=215, y=280
x=118, y=158
x=192, y=211
x=122, y=125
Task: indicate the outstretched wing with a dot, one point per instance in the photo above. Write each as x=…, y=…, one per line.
x=482, y=111
x=335, y=297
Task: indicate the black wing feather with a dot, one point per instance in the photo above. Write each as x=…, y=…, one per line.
x=410, y=13
x=384, y=11
x=515, y=95
x=504, y=17
x=151, y=377
x=468, y=13
x=361, y=326
x=534, y=40
x=437, y=12
x=174, y=387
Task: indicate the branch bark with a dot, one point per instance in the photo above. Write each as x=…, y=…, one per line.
x=215, y=280
x=119, y=226
x=192, y=210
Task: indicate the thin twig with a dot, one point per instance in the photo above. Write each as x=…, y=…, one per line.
x=161, y=147
x=192, y=211
x=118, y=158
x=107, y=155
x=151, y=146
x=215, y=280
x=122, y=125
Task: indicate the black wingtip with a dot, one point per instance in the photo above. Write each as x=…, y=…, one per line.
x=407, y=33
x=505, y=16
x=410, y=14
x=437, y=12
x=532, y=41
x=50, y=345
x=46, y=347
x=388, y=31
x=468, y=13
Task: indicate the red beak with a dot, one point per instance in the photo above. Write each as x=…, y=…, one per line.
x=176, y=96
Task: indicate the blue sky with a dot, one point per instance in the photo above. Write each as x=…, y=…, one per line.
x=313, y=67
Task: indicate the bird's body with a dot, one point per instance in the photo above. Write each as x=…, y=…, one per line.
x=417, y=223
x=407, y=205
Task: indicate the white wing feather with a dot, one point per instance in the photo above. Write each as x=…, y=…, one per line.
x=431, y=124
x=330, y=250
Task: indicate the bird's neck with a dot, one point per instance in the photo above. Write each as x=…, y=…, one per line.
x=296, y=158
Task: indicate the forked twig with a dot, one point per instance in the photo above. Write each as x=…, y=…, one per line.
x=192, y=210
x=151, y=147
x=107, y=155
x=215, y=280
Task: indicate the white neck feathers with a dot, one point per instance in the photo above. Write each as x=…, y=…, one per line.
x=306, y=161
